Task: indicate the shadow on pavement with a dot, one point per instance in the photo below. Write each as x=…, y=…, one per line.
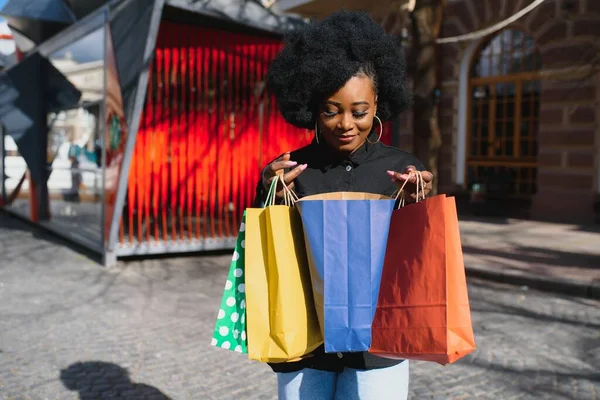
x=98, y=379
x=490, y=307
x=527, y=371
x=539, y=255
x=464, y=216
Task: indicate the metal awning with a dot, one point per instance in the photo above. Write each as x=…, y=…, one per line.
x=37, y=20
x=250, y=13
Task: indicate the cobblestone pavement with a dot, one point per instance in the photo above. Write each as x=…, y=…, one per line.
x=70, y=329
x=543, y=249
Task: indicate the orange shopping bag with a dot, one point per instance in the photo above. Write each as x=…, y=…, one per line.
x=423, y=307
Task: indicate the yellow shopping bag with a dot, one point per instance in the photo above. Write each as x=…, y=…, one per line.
x=281, y=320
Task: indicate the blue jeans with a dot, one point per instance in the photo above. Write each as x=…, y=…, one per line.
x=378, y=384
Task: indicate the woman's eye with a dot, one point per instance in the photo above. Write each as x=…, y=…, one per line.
x=359, y=115
x=329, y=113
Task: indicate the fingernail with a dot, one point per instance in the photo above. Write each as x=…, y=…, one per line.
x=291, y=163
x=390, y=173
x=303, y=167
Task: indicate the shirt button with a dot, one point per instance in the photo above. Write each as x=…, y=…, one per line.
x=340, y=355
x=349, y=168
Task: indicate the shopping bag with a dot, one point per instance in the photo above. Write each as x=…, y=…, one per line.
x=282, y=323
x=346, y=235
x=423, y=309
x=230, y=328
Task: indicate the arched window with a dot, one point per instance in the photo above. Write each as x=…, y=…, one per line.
x=504, y=109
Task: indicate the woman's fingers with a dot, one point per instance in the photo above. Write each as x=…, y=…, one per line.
x=288, y=179
x=427, y=176
x=274, y=167
x=278, y=165
x=399, y=178
x=408, y=175
x=293, y=174
x=409, y=178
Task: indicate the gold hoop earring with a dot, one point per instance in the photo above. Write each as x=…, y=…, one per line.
x=317, y=131
x=380, y=131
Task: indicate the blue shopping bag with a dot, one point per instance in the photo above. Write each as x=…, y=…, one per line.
x=346, y=236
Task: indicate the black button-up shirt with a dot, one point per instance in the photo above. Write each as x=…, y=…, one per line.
x=365, y=170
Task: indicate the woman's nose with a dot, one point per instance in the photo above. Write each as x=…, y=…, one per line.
x=347, y=123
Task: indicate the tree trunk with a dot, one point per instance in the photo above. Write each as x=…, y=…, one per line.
x=426, y=20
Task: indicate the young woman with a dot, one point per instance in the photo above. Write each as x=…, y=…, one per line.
x=342, y=77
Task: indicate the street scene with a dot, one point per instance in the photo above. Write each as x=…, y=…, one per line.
x=362, y=180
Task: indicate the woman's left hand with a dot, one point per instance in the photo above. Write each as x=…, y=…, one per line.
x=411, y=187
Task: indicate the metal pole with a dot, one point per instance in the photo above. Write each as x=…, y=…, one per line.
x=2, y=167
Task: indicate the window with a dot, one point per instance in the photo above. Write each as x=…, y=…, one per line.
x=504, y=111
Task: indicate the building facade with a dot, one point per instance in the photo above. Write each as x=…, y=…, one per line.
x=521, y=105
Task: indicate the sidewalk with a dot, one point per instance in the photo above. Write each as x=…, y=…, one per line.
x=556, y=257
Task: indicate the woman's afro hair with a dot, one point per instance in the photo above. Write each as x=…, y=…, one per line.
x=318, y=60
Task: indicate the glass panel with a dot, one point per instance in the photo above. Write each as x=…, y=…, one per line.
x=526, y=108
x=484, y=132
x=497, y=148
x=474, y=128
x=485, y=111
x=480, y=92
x=508, y=148
x=525, y=128
x=510, y=110
x=509, y=52
x=495, y=68
x=115, y=135
x=483, y=147
x=499, y=89
x=525, y=148
x=474, y=147
x=511, y=89
x=476, y=70
x=499, y=129
x=74, y=150
x=510, y=130
x=16, y=184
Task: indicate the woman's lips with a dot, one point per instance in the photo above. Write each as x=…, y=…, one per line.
x=345, y=139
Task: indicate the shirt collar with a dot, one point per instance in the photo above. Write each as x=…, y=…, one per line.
x=329, y=158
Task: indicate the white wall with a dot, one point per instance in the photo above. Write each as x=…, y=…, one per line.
x=463, y=104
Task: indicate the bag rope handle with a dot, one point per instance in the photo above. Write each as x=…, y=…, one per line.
x=289, y=197
x=399, y=194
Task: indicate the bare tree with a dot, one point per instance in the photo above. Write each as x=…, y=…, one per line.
x=425, y=24
x=419, y=22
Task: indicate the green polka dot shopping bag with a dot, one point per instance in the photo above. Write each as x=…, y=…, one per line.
x=230, y=328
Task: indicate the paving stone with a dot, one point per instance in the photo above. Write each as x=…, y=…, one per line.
x=70, y=329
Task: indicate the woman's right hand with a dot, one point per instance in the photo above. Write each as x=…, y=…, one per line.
x=276, y=168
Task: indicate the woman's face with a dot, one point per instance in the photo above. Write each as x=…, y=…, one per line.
x=346, y=118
